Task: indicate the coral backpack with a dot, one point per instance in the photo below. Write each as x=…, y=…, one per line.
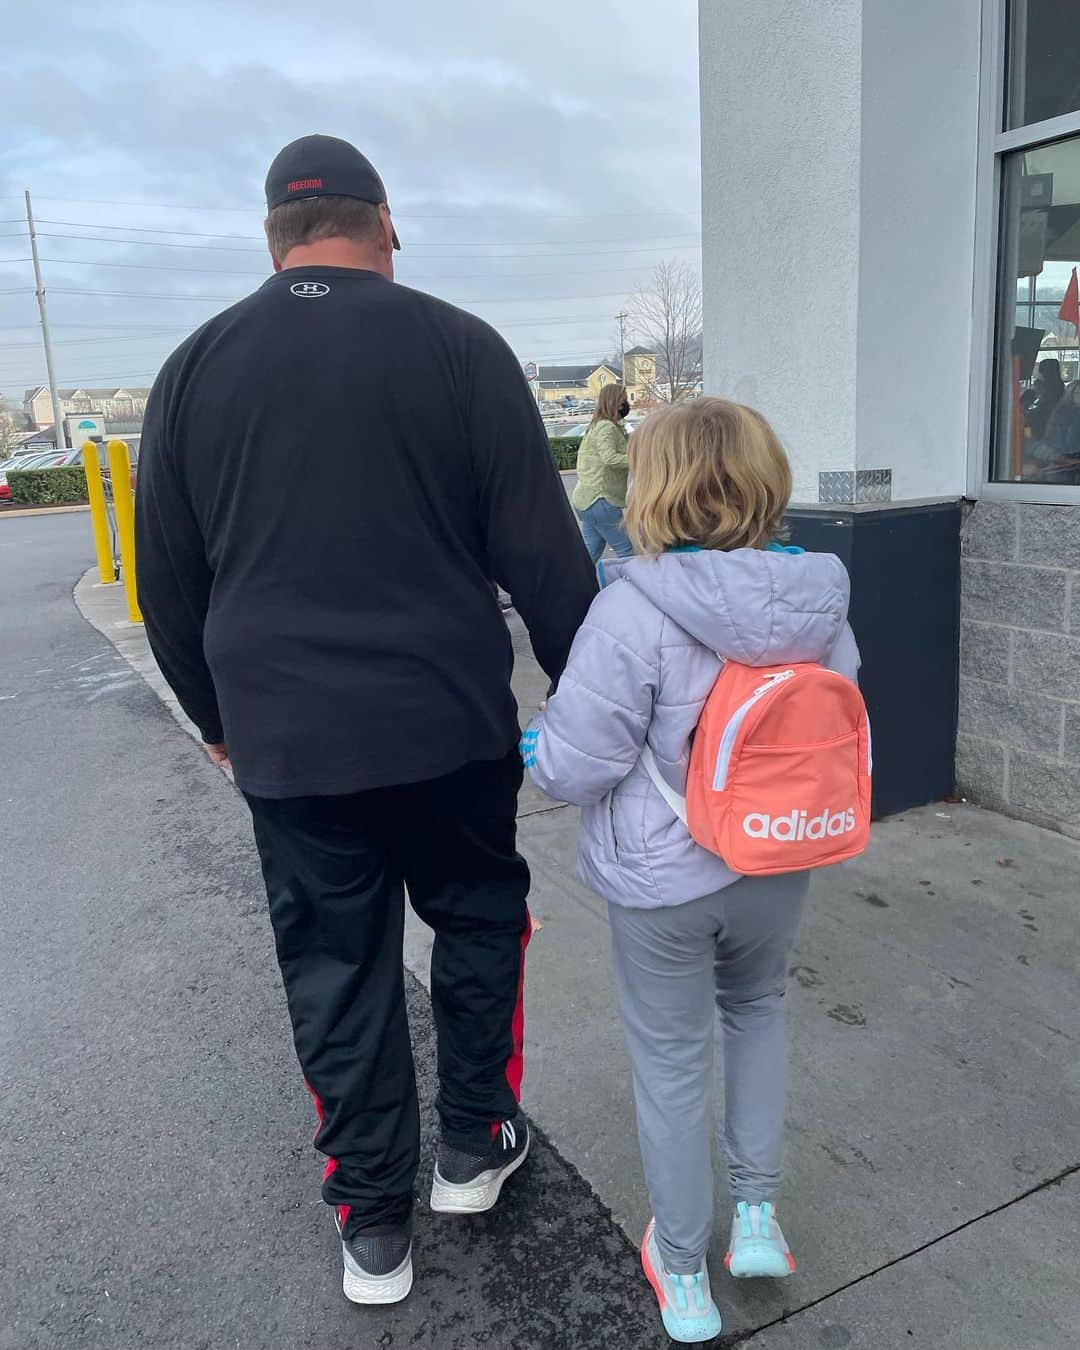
x=779, y=771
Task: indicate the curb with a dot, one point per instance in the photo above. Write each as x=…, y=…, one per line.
x=41, y=511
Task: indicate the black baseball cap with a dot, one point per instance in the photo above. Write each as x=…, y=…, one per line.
x=323, y=166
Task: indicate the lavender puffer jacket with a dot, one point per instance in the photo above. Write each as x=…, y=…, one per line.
x=641, y=669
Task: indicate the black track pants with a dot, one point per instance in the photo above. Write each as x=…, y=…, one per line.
x=336, y=871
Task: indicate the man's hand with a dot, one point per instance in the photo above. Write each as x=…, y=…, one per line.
x=219, y=755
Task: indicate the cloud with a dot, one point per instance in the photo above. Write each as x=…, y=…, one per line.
x=539, y=160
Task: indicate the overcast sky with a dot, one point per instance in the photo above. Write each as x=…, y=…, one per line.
x=540, y=160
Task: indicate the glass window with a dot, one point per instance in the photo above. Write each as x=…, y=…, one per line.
x=1037, y=386
x=1043, y=73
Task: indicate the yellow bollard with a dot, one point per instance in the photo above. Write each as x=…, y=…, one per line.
x=98, y=517
x=124, y=506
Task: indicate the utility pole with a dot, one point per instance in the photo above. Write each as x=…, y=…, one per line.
x=622, y=318
x=58, y=412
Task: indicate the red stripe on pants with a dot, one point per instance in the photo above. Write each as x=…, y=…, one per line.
x=331, y=1163
x=515, y=1068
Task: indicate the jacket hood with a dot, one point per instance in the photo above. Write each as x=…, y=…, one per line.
x=756, y=606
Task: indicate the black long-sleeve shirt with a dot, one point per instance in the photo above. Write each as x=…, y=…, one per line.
x=332, y=474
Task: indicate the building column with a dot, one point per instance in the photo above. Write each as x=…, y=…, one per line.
x=839, y=152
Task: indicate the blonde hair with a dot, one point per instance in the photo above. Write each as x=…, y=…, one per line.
x=710, y=473
x=608, y=403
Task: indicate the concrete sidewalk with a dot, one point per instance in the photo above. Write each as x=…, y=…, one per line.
x=934, y=1149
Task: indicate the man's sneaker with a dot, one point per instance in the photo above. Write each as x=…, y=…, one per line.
x=378, y=1263
x=686, y=1304
x=757, y=1244
x=468, y=1181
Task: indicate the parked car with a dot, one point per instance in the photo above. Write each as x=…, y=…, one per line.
x=46, y=459
x=26, y=460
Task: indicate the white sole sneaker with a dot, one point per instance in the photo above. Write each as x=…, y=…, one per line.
x=476, y=1196
x=360, y=1287
x=758, y=1249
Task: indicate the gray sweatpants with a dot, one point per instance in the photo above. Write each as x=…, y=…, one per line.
x=669, y=963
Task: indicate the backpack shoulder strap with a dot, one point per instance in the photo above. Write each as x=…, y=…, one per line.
x=677, y=803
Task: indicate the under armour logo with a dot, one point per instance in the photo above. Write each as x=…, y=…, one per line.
x=310, y=289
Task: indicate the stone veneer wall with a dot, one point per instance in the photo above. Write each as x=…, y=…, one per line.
x=1018, y=742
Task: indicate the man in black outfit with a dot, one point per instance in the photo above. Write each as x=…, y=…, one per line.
x=334, y=475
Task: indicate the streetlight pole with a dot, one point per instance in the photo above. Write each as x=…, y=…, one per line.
x=58, y=412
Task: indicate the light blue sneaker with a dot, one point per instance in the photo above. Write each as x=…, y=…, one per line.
x=758, y=1248
x=686, y=1304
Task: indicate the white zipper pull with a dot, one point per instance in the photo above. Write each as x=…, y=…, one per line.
x=771, y=680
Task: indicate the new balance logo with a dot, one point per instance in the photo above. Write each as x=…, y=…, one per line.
x=799, y=825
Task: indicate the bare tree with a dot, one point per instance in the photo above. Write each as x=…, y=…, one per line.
x=10, y=431
x=667, y=318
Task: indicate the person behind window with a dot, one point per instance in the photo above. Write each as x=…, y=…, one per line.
x=600, y=495
x=1063, y=429
x=1051, y=390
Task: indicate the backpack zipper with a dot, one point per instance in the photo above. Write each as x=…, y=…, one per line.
x=727, y=741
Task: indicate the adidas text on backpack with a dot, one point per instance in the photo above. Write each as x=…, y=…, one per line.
x=780, y=770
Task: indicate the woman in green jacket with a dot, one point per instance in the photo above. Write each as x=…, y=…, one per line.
x=600, y=495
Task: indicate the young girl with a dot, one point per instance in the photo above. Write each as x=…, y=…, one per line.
x=710, y=483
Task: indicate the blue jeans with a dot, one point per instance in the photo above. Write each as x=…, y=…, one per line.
x=602, y=524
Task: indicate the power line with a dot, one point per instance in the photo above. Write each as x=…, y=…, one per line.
x=94, y=341
x=99, y=327
x=142, y=229
x=252, y=210
x=140, y=335
x=151, y=243
x=560, y=358
x=222, y=248
x=456, y=276
x=482, y=243
x=128, y=378
x=477, y=300
x=425, y=257
x=152, y=267
x=94, y=327
x=226, y=299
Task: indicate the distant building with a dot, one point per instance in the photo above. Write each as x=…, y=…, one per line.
x=556, y=383
x=123, y=403
x=639, y=375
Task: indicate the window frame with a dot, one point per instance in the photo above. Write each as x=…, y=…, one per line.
x=994, y=145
